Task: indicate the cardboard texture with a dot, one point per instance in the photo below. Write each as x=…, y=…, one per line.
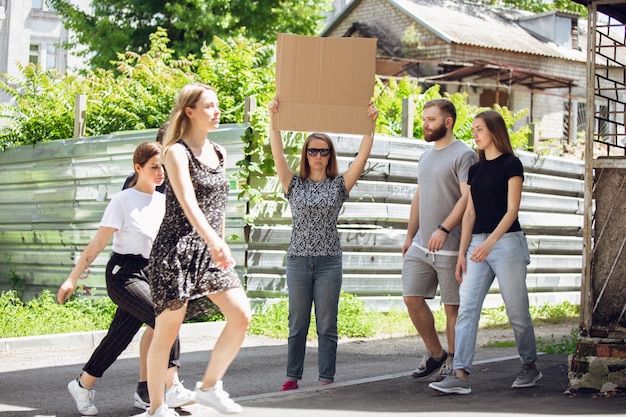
x=324, y=84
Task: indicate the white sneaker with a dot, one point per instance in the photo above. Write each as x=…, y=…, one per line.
x=217, y=398
x=162, y=411
x=140, y=402
x=83, y=397
x=178, y=395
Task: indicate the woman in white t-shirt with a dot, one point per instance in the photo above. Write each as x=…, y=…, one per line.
x=132, y=218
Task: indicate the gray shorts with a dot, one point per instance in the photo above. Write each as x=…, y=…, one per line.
x=422, y=272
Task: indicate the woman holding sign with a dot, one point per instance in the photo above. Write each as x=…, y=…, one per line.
x=314, y=260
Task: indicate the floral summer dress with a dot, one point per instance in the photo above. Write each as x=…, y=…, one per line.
x=180, y=267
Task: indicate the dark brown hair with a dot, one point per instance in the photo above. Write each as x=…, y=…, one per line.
x=161, y=132
x=332, y=169
x=143, y=153
x=446, y=107
x=498, y=131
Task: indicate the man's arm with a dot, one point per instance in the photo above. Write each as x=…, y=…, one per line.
x=414, y=221
x=438, y=238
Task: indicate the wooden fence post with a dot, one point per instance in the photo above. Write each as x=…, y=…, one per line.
x=249, y=107
x=408, y=116
x=80, y=112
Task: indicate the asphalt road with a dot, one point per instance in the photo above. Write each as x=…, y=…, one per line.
x=373, y=379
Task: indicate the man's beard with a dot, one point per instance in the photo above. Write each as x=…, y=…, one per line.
x=436, y=134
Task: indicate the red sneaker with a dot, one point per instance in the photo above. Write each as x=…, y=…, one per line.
x=289, y=385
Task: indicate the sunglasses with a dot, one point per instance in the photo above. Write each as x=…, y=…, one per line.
x=315, y=151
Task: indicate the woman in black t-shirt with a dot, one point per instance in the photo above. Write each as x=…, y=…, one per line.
x=492, y=245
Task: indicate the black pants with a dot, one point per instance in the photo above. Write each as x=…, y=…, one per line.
x=129, y=288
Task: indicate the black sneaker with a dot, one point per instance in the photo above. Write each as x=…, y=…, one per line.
x=429, y=366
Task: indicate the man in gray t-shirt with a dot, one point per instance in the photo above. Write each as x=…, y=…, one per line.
x=431, y=246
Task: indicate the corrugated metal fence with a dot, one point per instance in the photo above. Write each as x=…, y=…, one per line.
x=52, y=197
x=373, y=226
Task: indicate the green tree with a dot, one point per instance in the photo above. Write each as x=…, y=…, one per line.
x=139, y=95
x=114, y=26
x=388, y=97
x=538, y=6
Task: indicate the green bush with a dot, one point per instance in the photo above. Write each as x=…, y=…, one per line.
x=564, y=346
x=138, y=95
x=546, y=313
x=353, y=319
x=43, y=315
x=388, y=97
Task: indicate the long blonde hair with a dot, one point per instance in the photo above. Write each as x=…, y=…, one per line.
x=179, y=123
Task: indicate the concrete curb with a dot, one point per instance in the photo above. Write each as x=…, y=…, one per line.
x=92, y=339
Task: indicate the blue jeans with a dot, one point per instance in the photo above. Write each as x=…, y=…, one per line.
x=313, y=280
x=508, y=261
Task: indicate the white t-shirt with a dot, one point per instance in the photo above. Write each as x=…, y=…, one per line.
x=136, y=216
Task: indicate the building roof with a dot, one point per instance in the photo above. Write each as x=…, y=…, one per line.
x=472, y=24
x=505, y=74
x=616, y=10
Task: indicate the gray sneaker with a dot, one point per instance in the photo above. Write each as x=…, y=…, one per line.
x=527, y=376
x=445, y=371
x=451, y=385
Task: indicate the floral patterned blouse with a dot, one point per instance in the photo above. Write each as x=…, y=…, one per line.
x=315, y=207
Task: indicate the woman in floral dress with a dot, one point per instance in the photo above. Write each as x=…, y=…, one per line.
x=190, y=260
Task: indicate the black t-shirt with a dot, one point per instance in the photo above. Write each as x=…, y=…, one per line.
x=489, y=186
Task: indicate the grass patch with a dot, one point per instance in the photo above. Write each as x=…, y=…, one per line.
x=544, y=314
x=353, y=320
x=43, y=315
x=563, y=346
x=500, y=344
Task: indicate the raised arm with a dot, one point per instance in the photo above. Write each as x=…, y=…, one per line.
x=355, y=170
x=176, y=165
x=285, y=174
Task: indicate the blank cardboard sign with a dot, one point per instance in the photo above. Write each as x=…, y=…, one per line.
x=324, y=84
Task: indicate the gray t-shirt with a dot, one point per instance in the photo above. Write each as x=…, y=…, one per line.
x=439, y=174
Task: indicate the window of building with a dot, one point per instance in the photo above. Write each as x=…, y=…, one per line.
x=41, y=5
x=33, y=54
x=51, y=56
